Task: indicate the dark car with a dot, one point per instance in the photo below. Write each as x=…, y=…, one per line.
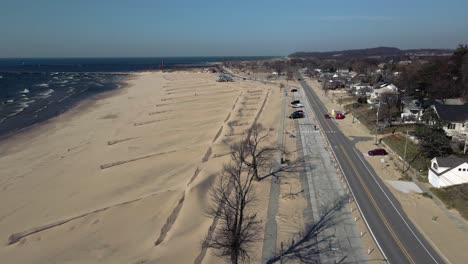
x=296, y=114
x=377, y=152
x=293, y=90
x=327, y=116
x=295, y=102
x=299, y=79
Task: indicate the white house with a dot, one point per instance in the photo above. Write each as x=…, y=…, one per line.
x=456, y=117
x=374, y=97
x=448, y=171
x=412, y=111
x=360, y=88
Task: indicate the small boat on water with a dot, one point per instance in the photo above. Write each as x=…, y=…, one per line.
x=25, y=91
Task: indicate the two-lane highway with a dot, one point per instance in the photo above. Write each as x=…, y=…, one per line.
x=397, y=237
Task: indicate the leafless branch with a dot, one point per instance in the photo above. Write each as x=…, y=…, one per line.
x=306, y=246
x=239, y=227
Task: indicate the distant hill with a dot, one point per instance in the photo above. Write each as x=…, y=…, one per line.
x=371, y=52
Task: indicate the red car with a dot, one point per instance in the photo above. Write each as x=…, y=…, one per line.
x=339, y=116
x=377, y=152
x=327, y=116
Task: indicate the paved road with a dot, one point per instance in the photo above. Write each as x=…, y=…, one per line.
x=323, y=188
x=398, y=238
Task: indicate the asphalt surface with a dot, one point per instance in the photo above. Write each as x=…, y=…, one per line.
x=322, y=186
x=397, y=237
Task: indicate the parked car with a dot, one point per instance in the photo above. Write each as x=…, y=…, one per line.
x=295, y=115
x=377, y=152
x=293, y=90
x=327, y=116
x=298, y=105
x=299, y=111
x=295, y=102
x=339, y=116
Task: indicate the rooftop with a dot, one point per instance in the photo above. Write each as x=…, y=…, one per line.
x=452, y=113
x=451, y=161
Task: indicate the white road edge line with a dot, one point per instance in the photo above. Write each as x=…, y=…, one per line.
x=394, y=207
x=349, y=186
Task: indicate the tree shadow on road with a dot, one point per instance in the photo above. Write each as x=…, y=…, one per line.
x=316, y=239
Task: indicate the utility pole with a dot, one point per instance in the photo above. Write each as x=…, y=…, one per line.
x=377, y=125
x=341, y=100
x=281, y=254
x=466, y=141
x=404, y=154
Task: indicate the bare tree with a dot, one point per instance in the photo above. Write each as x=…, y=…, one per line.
x=259, y=156
x=389, y=103
x=306, y=246
x=289, y=74
x=238, y=227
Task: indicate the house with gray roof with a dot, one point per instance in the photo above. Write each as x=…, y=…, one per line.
x=456, y=117
x=448, y=171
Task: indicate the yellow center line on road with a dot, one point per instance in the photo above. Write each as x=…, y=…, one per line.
x=377, y=208
x=374, y=203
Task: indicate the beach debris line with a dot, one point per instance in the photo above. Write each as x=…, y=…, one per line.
x=207, y=155
x=149, y=122
x=217, y=134
x=159, y=112
x=113, y=142
x=170, y=221
x=15, y=237
x=117, y=163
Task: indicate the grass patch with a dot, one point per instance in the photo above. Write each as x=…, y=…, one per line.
x=347, y=100
x=413, y=156
x=427, y=195
x=405, y=177
x=366, y=116
x=454, y=197
x=398, y=128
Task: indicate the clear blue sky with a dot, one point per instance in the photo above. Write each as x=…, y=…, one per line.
x=141, y=28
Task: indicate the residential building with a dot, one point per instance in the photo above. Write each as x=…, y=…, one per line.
x=412, y=111
x=448, y=171
x=456, y=118
x=360, y=88
x=380, y=89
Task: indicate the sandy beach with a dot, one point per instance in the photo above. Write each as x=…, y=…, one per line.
x=124, y=177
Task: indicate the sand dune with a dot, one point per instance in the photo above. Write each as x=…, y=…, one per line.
x=124, y=178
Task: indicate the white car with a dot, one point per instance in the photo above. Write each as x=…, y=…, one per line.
x=298, y=105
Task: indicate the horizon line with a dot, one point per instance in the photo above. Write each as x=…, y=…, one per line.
x=141, y=57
